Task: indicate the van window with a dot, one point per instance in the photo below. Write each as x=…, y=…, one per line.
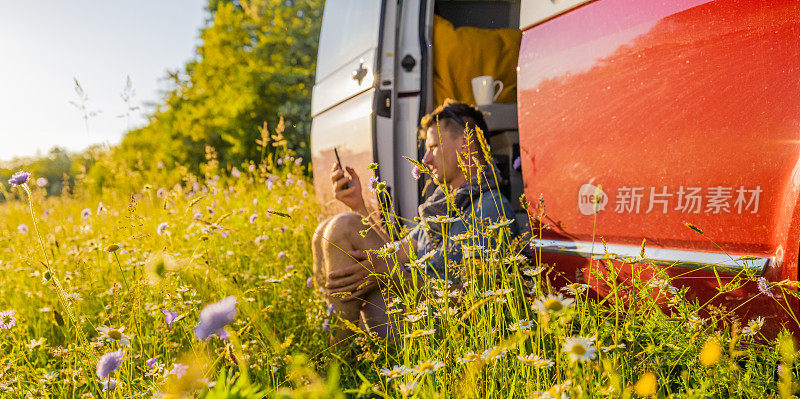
x=349, y=29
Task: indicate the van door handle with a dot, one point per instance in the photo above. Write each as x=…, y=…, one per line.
x=360, y=73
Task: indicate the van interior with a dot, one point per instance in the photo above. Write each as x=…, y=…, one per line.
x=501, y=117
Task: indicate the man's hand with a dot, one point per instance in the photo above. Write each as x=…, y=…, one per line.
x=354, y=279
x=348, y=189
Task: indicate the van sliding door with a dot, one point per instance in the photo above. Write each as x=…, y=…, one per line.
x=347, y=98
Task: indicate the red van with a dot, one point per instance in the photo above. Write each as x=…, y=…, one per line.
x=673, y=121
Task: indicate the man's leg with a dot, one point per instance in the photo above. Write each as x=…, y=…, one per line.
x=341, y=235
x=317, y=253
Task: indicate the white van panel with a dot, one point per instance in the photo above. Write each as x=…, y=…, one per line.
x=533, y=12
x=349, y=28
x=340, y=85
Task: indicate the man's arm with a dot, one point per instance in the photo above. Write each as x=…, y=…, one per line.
x=347, y=189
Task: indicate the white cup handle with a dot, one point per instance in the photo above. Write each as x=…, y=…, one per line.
x=497, y=91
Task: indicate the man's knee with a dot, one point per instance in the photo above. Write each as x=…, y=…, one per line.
x=343, y=226
x=317, y=239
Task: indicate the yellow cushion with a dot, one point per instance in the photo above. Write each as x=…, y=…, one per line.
x=460, y=54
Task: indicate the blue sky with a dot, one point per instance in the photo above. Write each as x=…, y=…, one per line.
x=45, y=44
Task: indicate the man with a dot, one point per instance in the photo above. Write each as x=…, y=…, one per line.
x=347, y=272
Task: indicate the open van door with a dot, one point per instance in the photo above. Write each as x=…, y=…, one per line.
x=352, y=95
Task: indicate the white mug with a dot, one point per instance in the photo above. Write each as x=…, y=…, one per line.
x=485, y=90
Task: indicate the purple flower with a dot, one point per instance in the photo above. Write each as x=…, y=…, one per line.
x=281, y=255
x=253, y=218
x=108, y=363
x=330, y=309
x=195, y=186
x=151, y=362
x=763, y=286
x=179, y=370
x=373, y=184
x=18, y=178
x=86, y=213
x=160, y=192
x=23, y=228
x=326, y=325
x=235, y=173
x=100, y=208
x=251, y=168
x=280, y=161
x=41, y=182
x=7, y=320
x=517, y=163
x=298, y=161
x=309, y=282
x=198, y=215
x=169, y=317
x=415, y=172
x=109, y=385
x=225, y=233
x=214, y=317
x=161, y=228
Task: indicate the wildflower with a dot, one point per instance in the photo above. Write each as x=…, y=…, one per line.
x=575, y=288
x=253, y=218
x=711, y=353
x=114, y=334
x=763, y=286
x=502, y=222
x=388, y=249
x=41, y=182
x=535, y=361
x=419, y=333
x=753, y=327
x=530, y=271
x=112, y=248
x=48, y=377
x=408, y=388
x=100, y=208
x=428, y=367
x=440, y=219
x=18, y=178
x=373, y=184
x=395, y=372
x=85, y=213
x=198, y=215
x=517, y=163
x=35, y=343
x=281, y=255
x=169, y=317
x=468, y=358
x=518, y=258
x=647, y=385
x=552, y=304
x=579, y=348
x=235, y=172
x=415, y=172
x=214, y=317
x=522, y=325
x=610, y=348
x=329, y=310
x=23, y=228
x=7, y=320
x=160, y=192
x=695, y=322
x=152, y=362
x=178, y=370
x=162, y=227
x=108, y=363
x=413, y=317
x=326, y=325
x=109, y=385
x=494, y=353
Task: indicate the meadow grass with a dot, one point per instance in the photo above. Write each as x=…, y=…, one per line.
x=150, y=255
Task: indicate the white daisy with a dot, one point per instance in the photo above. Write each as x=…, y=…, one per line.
x=580, y=348
x=395, y=372
x=753, y=327
x=468, y=357
x=114, y=334
x=428, y=367
x=535, y=361
x=494, y=353
x=522, y=325
x=552, y=304
x=419, y=333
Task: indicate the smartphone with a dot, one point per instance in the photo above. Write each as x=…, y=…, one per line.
x=339, y=162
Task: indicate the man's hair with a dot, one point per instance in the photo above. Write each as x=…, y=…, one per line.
x=455, y=113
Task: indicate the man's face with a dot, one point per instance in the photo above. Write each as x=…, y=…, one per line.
x=441, y=147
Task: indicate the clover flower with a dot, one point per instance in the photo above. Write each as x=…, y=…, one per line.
x=23, y=228
x=214, y=317
x=763, y=286
x=162, y=227
x=109, y=363
x=580, y=348
x=18, y=178
x=169, y=317
x=7, y=320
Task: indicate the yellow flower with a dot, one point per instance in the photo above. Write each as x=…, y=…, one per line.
x=711, y=353
x=647, y=385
